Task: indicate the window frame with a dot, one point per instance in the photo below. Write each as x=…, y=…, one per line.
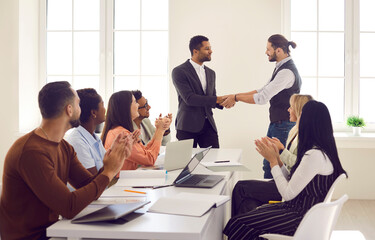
x=351, y=56
x=106, y=36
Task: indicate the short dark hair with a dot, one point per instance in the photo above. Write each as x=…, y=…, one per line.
x=196, y=43
x=137, y=94
x=89, y=100
x=118, y=113
x=53, y=98
x=279, y=41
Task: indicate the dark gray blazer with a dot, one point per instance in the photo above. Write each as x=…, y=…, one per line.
x=193, y=105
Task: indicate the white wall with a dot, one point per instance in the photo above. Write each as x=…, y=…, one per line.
x=19, y=22
x=238, y=31
x=28, y=64
x=8, y=75
x=359, y=164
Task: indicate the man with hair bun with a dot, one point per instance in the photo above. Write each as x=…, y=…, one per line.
x=284, y=82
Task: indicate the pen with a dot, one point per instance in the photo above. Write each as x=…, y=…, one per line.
x=132, y=191
x=222, y=161
x=161, y=186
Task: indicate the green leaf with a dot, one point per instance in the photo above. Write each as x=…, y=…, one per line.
x=355, y=121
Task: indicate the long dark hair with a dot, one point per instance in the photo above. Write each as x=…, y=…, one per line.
x=118, y=113
x=315, y=131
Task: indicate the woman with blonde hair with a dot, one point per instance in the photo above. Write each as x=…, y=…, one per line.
x=316, y=168
x=289, y=152
x=249, y=194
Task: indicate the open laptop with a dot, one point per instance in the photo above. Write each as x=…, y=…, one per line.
x=110, y=213
x=178, y=154
x=186, y=179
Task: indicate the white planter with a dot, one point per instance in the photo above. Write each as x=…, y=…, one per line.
x=356, y=131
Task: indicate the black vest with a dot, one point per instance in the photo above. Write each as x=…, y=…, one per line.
x=280, y=102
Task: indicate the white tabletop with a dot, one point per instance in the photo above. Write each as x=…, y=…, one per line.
x=156, y=225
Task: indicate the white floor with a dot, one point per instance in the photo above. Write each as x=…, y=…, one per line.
x=357, y=215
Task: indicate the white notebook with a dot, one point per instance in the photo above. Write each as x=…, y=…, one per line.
x=224, y=165
x=188, y=204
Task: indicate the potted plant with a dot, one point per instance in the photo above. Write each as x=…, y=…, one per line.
x=356, y=123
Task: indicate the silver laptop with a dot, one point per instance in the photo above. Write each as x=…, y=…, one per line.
x=178, y=154
x=110, y=213
x=187, y=179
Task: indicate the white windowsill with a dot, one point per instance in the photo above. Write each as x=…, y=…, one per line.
x=348, y=140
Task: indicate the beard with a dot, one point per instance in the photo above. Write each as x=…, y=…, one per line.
x=272, y=58
x=206, y=58
x=74, y=123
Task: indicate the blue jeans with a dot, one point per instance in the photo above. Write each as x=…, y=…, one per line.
x=278, y=130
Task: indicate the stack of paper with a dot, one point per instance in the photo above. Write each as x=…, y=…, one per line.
x=142, y=178
x=188, y=204
x=108, y=201
x=224, y=165
x=123, y=192
x=121, y=195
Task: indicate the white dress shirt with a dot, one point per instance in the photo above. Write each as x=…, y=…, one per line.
x=201, y=74
x=284, y=79
x=313, y=162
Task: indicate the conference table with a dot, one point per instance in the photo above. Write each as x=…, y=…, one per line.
x=147, y=225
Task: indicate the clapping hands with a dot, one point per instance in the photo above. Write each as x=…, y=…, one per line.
x=163, y=122
x=120, y=150
x=268, y=150
x=277, y=142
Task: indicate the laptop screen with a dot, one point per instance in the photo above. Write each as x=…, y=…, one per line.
x=193, y=163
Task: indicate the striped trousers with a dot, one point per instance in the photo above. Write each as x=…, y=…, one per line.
x=269, y=218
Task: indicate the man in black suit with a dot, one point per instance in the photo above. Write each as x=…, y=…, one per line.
x=195, y=86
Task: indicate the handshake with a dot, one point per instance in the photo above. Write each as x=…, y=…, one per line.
x=227, y=101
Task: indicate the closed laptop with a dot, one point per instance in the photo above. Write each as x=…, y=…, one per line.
x=110, y=213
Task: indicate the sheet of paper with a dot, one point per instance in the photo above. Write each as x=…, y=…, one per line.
x=119, y=191
x=216, y=199
x=188, y=204
x=142, y=174
x=222, y=166
x=108, y=201
x=140, y=182
x=177, y=206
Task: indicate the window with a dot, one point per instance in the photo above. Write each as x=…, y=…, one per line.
x=108, y=45
x=334, y=54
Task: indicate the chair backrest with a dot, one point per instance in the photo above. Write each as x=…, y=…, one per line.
x=320, y=220
x=332, y=189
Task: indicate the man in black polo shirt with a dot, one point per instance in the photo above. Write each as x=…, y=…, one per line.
x=285, y=82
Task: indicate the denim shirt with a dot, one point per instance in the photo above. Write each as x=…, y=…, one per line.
x=89, y=148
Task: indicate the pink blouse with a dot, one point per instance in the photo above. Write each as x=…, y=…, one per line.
x=141, y=155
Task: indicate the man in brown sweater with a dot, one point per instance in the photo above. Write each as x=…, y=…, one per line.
x=38, y=166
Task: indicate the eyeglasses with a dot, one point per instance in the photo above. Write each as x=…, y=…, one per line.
x=144, y=106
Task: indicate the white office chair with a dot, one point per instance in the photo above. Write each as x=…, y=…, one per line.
x=332, y=189
x=318, y=222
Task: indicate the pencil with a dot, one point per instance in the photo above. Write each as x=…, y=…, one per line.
x=270, y=202
x=127, y=190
